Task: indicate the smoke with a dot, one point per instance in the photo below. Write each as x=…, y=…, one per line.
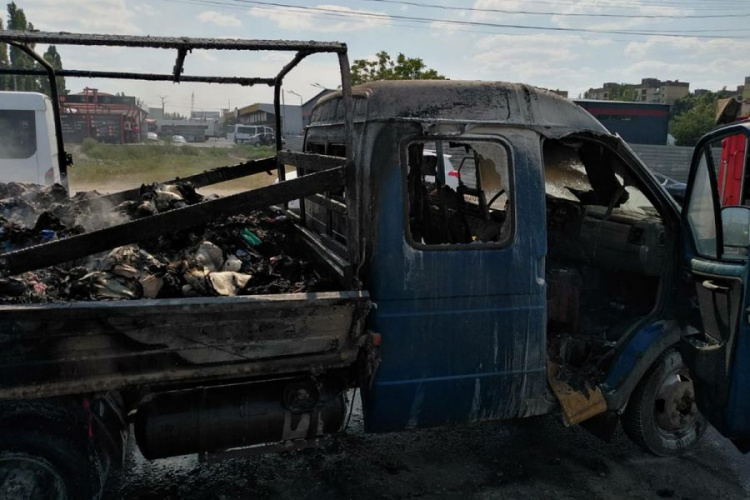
x=99, y=214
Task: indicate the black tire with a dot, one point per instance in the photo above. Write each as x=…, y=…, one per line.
x=661, y=415
x=35, y=464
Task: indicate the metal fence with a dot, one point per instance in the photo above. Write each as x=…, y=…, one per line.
x=672, y=161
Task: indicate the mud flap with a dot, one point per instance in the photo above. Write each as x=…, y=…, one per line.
x=577, y=405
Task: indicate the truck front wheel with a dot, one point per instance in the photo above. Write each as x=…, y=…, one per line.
x=661, y=415
x=38, y=465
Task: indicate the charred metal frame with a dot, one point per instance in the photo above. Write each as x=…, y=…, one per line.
x=24, y=40
x=345, y=174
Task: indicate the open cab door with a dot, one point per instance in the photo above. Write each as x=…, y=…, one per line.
x=717, y=244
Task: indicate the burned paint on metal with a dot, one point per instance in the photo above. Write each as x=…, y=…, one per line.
x=627, y=359
x=464, y=327
x=467, y=102
x=166, y=42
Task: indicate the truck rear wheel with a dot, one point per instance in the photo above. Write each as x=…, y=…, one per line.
x=662, y=416
x=37, y=465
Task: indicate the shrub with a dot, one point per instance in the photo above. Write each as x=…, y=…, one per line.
x=88, y=145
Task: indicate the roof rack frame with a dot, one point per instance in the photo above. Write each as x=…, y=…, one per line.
x=25, y=40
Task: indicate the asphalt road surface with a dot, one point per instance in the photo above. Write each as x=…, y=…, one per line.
x=528, y=459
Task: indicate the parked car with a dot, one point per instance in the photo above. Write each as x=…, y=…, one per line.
x=675, y=188
x=178, y=140
x=264, y=139
x=451, y=175
x=152, y=137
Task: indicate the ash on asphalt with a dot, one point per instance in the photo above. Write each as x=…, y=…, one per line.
x=525, y=459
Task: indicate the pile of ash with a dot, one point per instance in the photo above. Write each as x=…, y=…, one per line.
x=249, y=254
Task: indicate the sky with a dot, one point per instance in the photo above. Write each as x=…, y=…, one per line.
x=560, y=44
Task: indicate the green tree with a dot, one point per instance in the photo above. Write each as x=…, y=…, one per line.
x=19, y=59
x=53, y=58
x=16, y=58
x=693, y=116
x=622, y=92
x=691, y=125
x=174, y=115
x=4, y=62
x=385, y=68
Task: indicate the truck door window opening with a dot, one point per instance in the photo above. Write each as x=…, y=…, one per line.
x=17, y=134
x=723, y=161
x=700, y=211
x=468, y=202
x=607, y=246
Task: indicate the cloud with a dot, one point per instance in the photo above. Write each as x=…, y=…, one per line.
x=225, y=20
x=638, y=7
x=689, y=48
x=705, y=63
x=335, y=19
x=439, y=29
x=503, y=51
x=552, y=61
x=507, y=51
x=101, y=16
x=145, y=10
x=502, y=5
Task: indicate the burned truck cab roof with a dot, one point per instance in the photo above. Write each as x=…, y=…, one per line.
x=479, y=102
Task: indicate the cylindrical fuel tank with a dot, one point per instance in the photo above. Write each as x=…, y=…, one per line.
x=230, y=416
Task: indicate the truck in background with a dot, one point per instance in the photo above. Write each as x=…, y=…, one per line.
x=734, y=178
x=28, y=150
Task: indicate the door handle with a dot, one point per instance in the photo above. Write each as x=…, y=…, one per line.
x=710, y=285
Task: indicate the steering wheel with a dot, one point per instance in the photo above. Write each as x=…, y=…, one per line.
x=492, y=200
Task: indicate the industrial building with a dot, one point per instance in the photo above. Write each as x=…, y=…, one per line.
x=264, y=114
x=650, y=90
x=115, y=119
x=636, y=122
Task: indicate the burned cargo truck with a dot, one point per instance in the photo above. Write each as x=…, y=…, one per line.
x=491, y=252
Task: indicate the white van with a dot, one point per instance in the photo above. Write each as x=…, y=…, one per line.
x=28, y=148
x=246, y=133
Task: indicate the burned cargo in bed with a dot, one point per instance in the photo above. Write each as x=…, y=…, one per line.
x=251, y=254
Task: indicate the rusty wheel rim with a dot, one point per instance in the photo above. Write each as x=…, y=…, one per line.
x=675, y=410
x=25, y=477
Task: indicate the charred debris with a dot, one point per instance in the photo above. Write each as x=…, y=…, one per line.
x=244, y=254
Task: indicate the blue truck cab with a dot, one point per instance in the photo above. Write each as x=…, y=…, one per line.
x=552, y=278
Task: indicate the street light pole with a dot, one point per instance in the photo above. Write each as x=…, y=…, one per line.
x=283, y=116
x=295, y=93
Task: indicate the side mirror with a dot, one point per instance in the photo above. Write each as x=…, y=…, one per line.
x=735, y=223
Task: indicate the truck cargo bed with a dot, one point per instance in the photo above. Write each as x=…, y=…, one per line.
x=57, y=349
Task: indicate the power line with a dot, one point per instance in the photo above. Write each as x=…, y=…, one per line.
x=562, y=14
x=699, y=5
x=333, y=14
x=374, y=15
x=427, y=24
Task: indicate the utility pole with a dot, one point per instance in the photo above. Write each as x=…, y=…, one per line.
x=163, y=100
x=283, y=116
x=295, y=93
x=192, y=103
